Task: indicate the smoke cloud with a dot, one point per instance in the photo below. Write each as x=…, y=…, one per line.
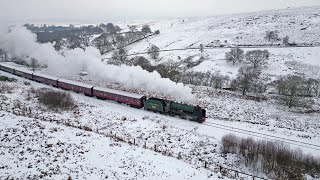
x=22, y=43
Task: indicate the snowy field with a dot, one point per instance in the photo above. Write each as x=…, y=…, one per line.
x=191, y=142
x=34, y=149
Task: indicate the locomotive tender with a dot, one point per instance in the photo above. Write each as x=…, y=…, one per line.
x=184, y=111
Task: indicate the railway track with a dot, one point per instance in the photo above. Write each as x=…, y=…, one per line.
x=263, y=135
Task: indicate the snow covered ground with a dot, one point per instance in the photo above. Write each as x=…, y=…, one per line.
x=190, y=142
x=35, y=149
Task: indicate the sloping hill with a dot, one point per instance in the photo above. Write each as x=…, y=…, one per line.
x=302, y=25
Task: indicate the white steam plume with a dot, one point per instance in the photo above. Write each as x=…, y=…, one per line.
x=21, y=43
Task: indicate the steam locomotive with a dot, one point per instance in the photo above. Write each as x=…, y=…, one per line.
x=163, y=106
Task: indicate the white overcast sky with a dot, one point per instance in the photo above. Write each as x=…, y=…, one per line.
x=100, y=10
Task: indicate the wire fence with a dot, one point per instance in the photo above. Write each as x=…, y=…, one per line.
x=213, y=167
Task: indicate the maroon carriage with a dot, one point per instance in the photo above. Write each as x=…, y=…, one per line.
x=135, y=100
x=46, y=79
x=75, y=86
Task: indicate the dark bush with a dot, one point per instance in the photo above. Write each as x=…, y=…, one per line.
x=5, y=78
x=157, y=32
x=144, y=63
x=56, y=100
x=26, y=83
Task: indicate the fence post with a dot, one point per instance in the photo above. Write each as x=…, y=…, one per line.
x=134, y=141
x=205, y=164
x=145, y=145
x=155, y=148
x=220, y=169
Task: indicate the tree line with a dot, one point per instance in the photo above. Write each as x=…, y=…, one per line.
x=111, y=36
x=111, y=40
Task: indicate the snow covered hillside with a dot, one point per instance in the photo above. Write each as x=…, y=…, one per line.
x=301, y=25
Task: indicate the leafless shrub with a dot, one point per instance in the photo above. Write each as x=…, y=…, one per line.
x=26, y=83
x=56, y=100
x=87, y=128
x=277, y=161
x=272, y=35
x=230, y=144
x=5, y=87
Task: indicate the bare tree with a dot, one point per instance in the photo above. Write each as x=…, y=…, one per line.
x=3, y=55
x=111, y=28
x=169, y=70
x=103, y=42
x=144, y=63
x=291, y=87
x=246, y=77
x=153, y=51
x=120, y=40
x=217, y=80
x=285, y=41
x=201, y=48
x=172, y=70
x=235, y=55
x=34, y=64
x=312, y=87
x=257, y=57
x=133, y=28
x=74, y=42
x=117, y=28
x=103, y=26
x=119, y=57
x=281, y=85
x=146, y=30
x=272, y=35
x=86, y=40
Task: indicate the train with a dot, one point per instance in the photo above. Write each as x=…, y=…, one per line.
x=156, y=105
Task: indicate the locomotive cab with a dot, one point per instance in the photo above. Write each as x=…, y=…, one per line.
x=200, y=114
